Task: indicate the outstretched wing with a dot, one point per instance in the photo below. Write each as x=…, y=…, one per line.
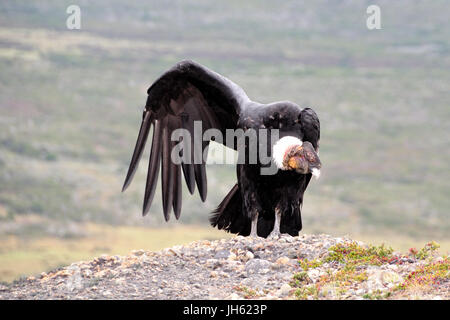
x=186, y=93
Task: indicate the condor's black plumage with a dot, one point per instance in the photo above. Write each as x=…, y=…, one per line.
x=257, y=204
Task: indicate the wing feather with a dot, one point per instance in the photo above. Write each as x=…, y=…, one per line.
x=188, y=168
x=138, y=149
x=153, y=167
x=186, y=93
x=167, y=172
x=177, y=192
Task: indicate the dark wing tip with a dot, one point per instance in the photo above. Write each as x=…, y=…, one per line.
x=138, y=149
x=153, y=168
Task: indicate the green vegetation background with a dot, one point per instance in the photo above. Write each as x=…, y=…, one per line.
x=71, y=101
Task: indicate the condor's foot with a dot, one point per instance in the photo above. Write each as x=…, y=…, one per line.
x=254, y=234
x=254, y=227
x=278, y=235
x=274, y=235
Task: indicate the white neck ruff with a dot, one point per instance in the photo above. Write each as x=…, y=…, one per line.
x=281, y=147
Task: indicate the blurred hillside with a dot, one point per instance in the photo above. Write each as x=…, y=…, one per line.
x=71, y=101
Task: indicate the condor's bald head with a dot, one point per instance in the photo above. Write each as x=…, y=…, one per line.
x=290, y=153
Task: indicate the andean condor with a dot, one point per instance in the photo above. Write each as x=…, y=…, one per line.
x=259, y=204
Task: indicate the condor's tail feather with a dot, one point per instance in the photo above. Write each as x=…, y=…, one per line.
x=228, y=215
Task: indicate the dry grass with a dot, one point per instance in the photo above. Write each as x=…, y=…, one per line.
x=400, y=242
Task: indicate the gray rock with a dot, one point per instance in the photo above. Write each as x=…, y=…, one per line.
x=258, y=266
x=284, y=290
x=211, y=270
x=249, y=255
x=222, y=254
x=292, y=253
x=388, y=277
x=213, y=263
x=75, y=281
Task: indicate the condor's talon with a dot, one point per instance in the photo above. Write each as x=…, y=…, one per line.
x=274, y=236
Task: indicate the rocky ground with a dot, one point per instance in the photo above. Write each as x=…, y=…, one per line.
x=304, y=267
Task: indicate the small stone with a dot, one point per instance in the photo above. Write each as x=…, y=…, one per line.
x=313, y=274
x=213, y=263
x=293, y=253
x=222, y=254
x=283, y=260
x=234, y=296
x=289, y=239
x=327, y=244
x=172, y=252
x=258, y=266
x=137, y=252
x=374, y=281
x=388, y=277
x=249, y=255
x=232, y=256
x=284, y=290
x=213, y=274
x=258, y=246
x=360, y=292
x=75, y=280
